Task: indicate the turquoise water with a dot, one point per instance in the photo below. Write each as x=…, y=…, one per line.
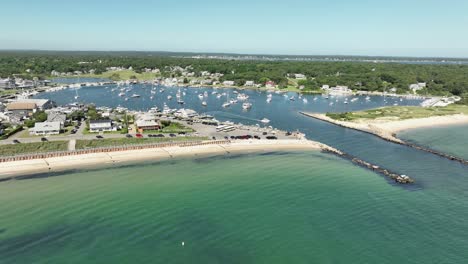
x=449, y=139
x=300, y=207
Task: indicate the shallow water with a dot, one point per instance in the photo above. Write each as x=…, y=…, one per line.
x=304, y=207
x=300, y=207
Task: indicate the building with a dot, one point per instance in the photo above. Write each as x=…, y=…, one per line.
x=57, y=117
x=101, y=126
x=249, y=83
x=417, y=87
x=339, y=90
x=47, y=128
x=22, y=108
x=228, y=83
x=143, y=125
x=270, y=84
x=7, y=83
x=325, y=87
x=299, y=76
x=41, y=104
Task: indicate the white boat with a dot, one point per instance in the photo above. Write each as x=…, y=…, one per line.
x=218, y=96
x=246, y=105
x=153, y=92
x=151, y=97
x=227, y=104
x=121, y=94
x=233, y=101
x=205, y=94
x=268, y=100
x=126, y=98
x=265, y=120
x=180, y=101
x=242, y=97
x=200, y=96
x=169, y=97
x=204, y=103
x=367, y=98
x=315, y=98
x=305, y=100
x=166, y=109
x=354, y=100
x=135, y=95
x=292, y=98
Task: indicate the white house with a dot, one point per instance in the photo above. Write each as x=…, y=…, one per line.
x=228, y=83
x=325, y=87
x=339, y=90
x=101, y=126
x=249, y=83
x=299, y=76
x=56, y=117
x=417, y=86
x=47, y=128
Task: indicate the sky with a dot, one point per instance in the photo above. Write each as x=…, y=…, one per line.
x=419, y=28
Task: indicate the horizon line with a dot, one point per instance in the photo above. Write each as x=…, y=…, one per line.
x=233, y=53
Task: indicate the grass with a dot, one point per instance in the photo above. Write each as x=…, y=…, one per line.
x=28, y=148
x=400, y=113
x=8, y=92
x=108, y=142
x=66, y=131
x=175, y=127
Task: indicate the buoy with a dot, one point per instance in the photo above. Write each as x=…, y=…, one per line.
x=183, y=243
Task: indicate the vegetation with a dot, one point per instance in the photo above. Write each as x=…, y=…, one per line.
x=174, y=127
x=441, y=79
x=108, y=142
x=400, y=112
x=9, y=131
x=39, y=116
x=27, y=148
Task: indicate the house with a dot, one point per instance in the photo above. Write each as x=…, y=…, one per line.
x=57, y=117
x=101, y=126
x=299, y=76
x=249, y=83
x=393, y=90
x=47, y=128
x=207, y=82
x=41, y=104
x=228, y=83
x=22, y=108
x=417, y=87
x=340, y=90
x=270, y=84
x=7, y=83
x=143, y=125
x=325, y=87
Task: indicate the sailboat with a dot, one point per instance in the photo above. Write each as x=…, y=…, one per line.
x=227, y=103
x=76, y=94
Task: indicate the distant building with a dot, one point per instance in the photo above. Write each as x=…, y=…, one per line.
x=417, y=87
x=47, y=128
x=228, y=83
x=325, y=87
x=270, y=84
x=101, y=126
x=41, y=104
x=299, y=76
x=249, y=83
x=339, y=90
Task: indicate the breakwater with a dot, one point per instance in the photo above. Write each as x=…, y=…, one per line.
x=398, y=178
x=390, y=138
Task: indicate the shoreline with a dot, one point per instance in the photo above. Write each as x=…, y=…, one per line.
x=13, y=169
x=387, y=130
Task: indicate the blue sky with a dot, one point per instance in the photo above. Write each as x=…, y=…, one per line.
x=314, y=27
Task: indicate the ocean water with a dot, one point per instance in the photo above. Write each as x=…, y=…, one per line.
x=449, y=139
x=296, y=207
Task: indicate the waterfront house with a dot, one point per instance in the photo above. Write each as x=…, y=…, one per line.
x=22, y=108
x=47, y=128
x=325, y=87
x=102, y=125
x=249, y=83
x=228, y=83
x=340, y=90
x=270, y=84
x=143, y=125
x=417, y=87
x=7, y=83
x=56, y=117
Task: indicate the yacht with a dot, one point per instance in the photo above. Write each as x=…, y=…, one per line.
x=305, y=100
x=246, y=105
x=292, y=98
x=205, y=94
x=268, y=100
x=135, y=95
x=354, y=99
x=204, y=103
x=242, y=97
x=121, y=94
x=169, y=97
x=226, y=104
x=180, y=101
x=265, y=120
x=166, y=109
x=367, y=98
x=200, y=96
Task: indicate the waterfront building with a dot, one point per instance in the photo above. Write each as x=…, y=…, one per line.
x=101, y=126
x=56, y=117
x=47, y=128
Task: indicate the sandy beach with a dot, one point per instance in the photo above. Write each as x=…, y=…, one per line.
x=58, y=164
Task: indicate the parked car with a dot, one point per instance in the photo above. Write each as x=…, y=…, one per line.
x=15, y=141
x=139, y=135
x=73, y=131
x=214, y=138
x=271, y=137
x=172, y=135
x=99, y=136
x=44, y=139
x=128, y=136
x=256, y=137
x=264, y=133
